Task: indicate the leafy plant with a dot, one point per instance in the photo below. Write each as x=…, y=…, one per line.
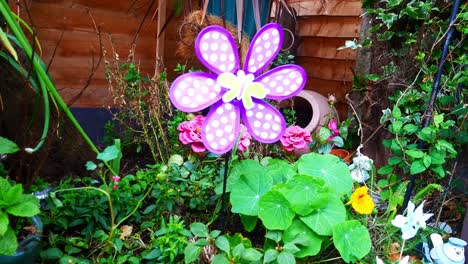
x=298, y=204
x=13, y=203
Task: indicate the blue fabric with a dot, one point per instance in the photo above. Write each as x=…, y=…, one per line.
x=230, y=14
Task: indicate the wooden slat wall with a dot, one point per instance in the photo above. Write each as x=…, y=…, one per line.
x=79, y=47
x=323, y=26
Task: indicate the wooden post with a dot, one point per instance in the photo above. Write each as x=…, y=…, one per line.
x=161, y=38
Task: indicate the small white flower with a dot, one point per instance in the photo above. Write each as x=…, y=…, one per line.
x=413, y=220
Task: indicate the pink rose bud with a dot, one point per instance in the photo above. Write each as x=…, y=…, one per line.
x=116, y=178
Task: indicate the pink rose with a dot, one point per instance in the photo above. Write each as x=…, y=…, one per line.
x=244, y=142
x=333, y=126
x=295, y=137
x=190, y=133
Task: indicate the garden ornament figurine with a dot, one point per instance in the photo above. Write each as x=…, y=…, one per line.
x=236, y=93
x=361, y=167
x=452, y=252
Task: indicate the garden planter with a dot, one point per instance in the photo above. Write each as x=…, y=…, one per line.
x=312, y=110
x=29, y=248
x=342, y=154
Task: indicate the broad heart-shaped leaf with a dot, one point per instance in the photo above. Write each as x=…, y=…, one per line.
x=322, y=221
x=352, y=240
x=275, y=211
x=280, y=170
x=191, y=253
x=243, y=167
x=247, y=191
x=299, y=231
x=109, y=153
x=8, y=243
x=249, y=222
x=306, y=193
x=7, y=146
x=328, y=167
x=4, y=222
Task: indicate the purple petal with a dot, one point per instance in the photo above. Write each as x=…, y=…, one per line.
x=283, y=82
x=221, y=127
x=264, y=122
x=217, y=50
x=264, y=47
x=195, y=91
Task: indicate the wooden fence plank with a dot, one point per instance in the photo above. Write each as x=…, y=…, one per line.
x=327, y=7
x=337, y=70
x=324, y=26
x=320, y=47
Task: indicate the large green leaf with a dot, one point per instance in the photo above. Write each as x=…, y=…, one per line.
x=4, y=222
x=13, y=194
x=275, y=211
x=8, y=243
x=323, y=220
x=24, y=209
x=306, y=193
x=246, y=167
x=247, y=191
x=328, y=167
x=299, y=231
x=280, y=170
x=352, y=240
x=191, y=253
x=109, y=153
x=7, y=146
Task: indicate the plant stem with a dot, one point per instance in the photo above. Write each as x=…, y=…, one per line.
x=402, y=249
x=326, y=260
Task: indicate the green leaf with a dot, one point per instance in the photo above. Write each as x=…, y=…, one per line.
x=252, y=255
x=410, y=129
x=299, y=230
x=279, y=170
x=438, y=119
x=439, y=170
x=437, y=158
x=291, y=248
x=244, y=167
x=393, y=161
x=427, y=134
x=199, y=229
x=324, y=134
x=396, y=125
x=90, y=165
x=247, y=191
x=330, y=168
x=4, y=222
x=352, y=240
x=274, y=235
x=109, y=153
x=275, y=211
x=306, y=193
x=286, y=258
x=7, y=44
x=396, y=197
x=396, y=112
x=223, y=244
x=191, y=253
x=427, y=161
x=153, y=254
x=323, y=220
x=8, y=243
x=417, y=167
x=220, y=259
x=13, y=194
x=7, y=146
x=442, y=144
x=385, y=169
x=51, y=253
x=150, y=208
x=249, y=222
x=270, y=255
x=415, y=153
x=24, y=209
x=238, y=250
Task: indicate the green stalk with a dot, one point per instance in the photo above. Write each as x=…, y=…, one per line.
x=49, y=87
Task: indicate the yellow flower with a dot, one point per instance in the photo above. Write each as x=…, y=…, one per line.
x=361, y=201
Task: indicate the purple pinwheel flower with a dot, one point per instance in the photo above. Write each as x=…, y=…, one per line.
x=236, y=93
